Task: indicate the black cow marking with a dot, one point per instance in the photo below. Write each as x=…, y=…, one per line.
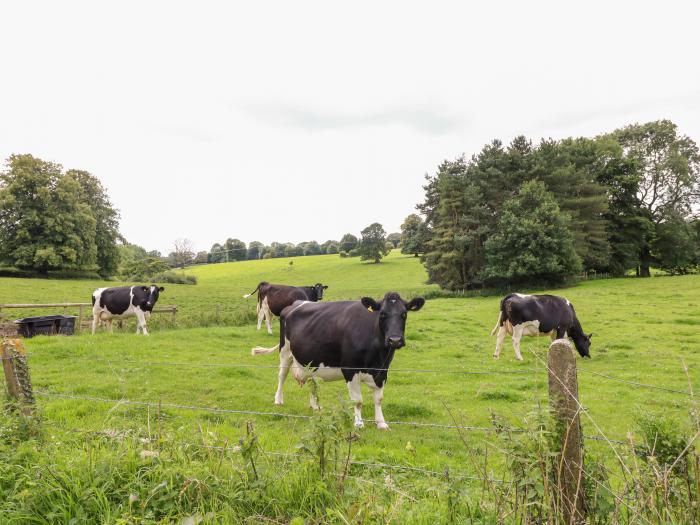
x=536, y=315
x=351, y=340
x=124, y=301
x=273, y=298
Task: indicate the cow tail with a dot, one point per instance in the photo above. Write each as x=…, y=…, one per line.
x=501, y=312
x=253, y=292
x=258, y=350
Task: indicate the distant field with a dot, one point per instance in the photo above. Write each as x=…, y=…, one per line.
x=644, y=331
x=225, y=284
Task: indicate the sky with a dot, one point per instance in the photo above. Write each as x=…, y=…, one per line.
x=293, y=121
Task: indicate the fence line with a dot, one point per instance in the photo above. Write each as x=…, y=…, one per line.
x=395, y=370
x=419, y=424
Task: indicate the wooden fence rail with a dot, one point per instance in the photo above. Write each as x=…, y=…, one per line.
x=166, y=308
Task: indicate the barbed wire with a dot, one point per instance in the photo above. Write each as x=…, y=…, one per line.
x=418, y=424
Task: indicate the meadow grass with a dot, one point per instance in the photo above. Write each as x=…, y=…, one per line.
x=646, y=331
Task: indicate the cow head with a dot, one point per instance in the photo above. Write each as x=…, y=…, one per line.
x=318, y=288
x=151, y=296
x=392, y=316
x=583, y=344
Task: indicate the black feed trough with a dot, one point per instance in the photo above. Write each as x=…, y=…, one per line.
x=46, y=325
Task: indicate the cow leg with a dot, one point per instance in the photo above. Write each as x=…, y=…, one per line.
x=261, y=315
x=268, y=316
x=378, y=414
x=95, y=320
x=355, y=391
x=517, y=334
x=499, y=341
x=141, y=321
x=561, y=333
x=286, y=361
x=109, y=325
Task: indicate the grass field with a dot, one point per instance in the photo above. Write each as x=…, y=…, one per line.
x=645, y=331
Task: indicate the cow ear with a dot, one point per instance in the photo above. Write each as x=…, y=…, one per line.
x=415, y=304
x=161, y=289
x=590, y=335
x=144, y=288
x=370, y=304
x=325, y=287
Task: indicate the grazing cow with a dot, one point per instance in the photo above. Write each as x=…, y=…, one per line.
x=273, y=298
x=124, y=301
x=350, y=340
x=539, y=315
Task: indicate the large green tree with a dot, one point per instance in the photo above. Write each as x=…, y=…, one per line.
x=667, y=170
x=348, y=242
x=44, y=223
x=532, y=239
x=373, y=243
x=107, y=233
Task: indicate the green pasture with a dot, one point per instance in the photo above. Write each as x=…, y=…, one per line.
x=646, y=331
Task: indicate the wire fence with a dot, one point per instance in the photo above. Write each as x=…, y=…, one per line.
x=416, y=424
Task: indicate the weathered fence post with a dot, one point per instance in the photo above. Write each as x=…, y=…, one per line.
x=563, y=399
x=80, y=319
x=19, y=384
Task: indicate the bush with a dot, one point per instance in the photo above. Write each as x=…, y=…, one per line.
x=344, y=254
x=58, y=274
x=173, y=278
x=354, y=252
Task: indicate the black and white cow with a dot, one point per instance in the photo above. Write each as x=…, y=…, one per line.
x=350, y=340
x=124, y=301
x=273, y=298
x=538, y=315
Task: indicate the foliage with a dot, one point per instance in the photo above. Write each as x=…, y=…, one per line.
x=44, y=224
x=394, y=238
x=236, y=250
x=531, y=240
x=172, y=277
x=182, y=254
x=348, y=242
x=411, y=235
x=92, y=193
x=255, y=250
x=373, y=244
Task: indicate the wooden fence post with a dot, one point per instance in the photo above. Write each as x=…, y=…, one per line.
x=19, y=384
x=80, y=319
x=563, y=399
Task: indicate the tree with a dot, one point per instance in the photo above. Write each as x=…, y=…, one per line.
x=675, y=245
x=44, y=224
x=373, y=243
x=332, y=248
x=236, y=250
x=217, y=254
x=201, y=258
x=532, y=239
x=255, y=250
x=310, y=248
x=394, y=239
x=348, y=242
x=667, y=166
x=411, y=233
x=93, y=194
x=325, y=245
x=291, y=250
x=182, y=253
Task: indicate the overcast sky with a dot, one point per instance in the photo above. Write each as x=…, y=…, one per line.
x=292, y=121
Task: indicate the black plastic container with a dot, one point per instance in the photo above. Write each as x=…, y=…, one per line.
x=46, y=325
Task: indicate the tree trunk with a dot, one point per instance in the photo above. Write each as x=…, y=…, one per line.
x=644, y=263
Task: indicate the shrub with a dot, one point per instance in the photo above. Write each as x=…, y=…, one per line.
x=354, y=252
x=173, y=278
x=344, y=254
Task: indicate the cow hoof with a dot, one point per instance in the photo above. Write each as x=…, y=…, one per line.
x=519, y=358
x=382, y=426
x=359, y=424
x=279, y=402
x=495, y=356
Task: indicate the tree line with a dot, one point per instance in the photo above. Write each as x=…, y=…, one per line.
x=626, y=201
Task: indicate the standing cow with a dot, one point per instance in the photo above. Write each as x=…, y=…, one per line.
x=539, y=315
x=350, y=340
x=273, y=298
x=124, y=301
